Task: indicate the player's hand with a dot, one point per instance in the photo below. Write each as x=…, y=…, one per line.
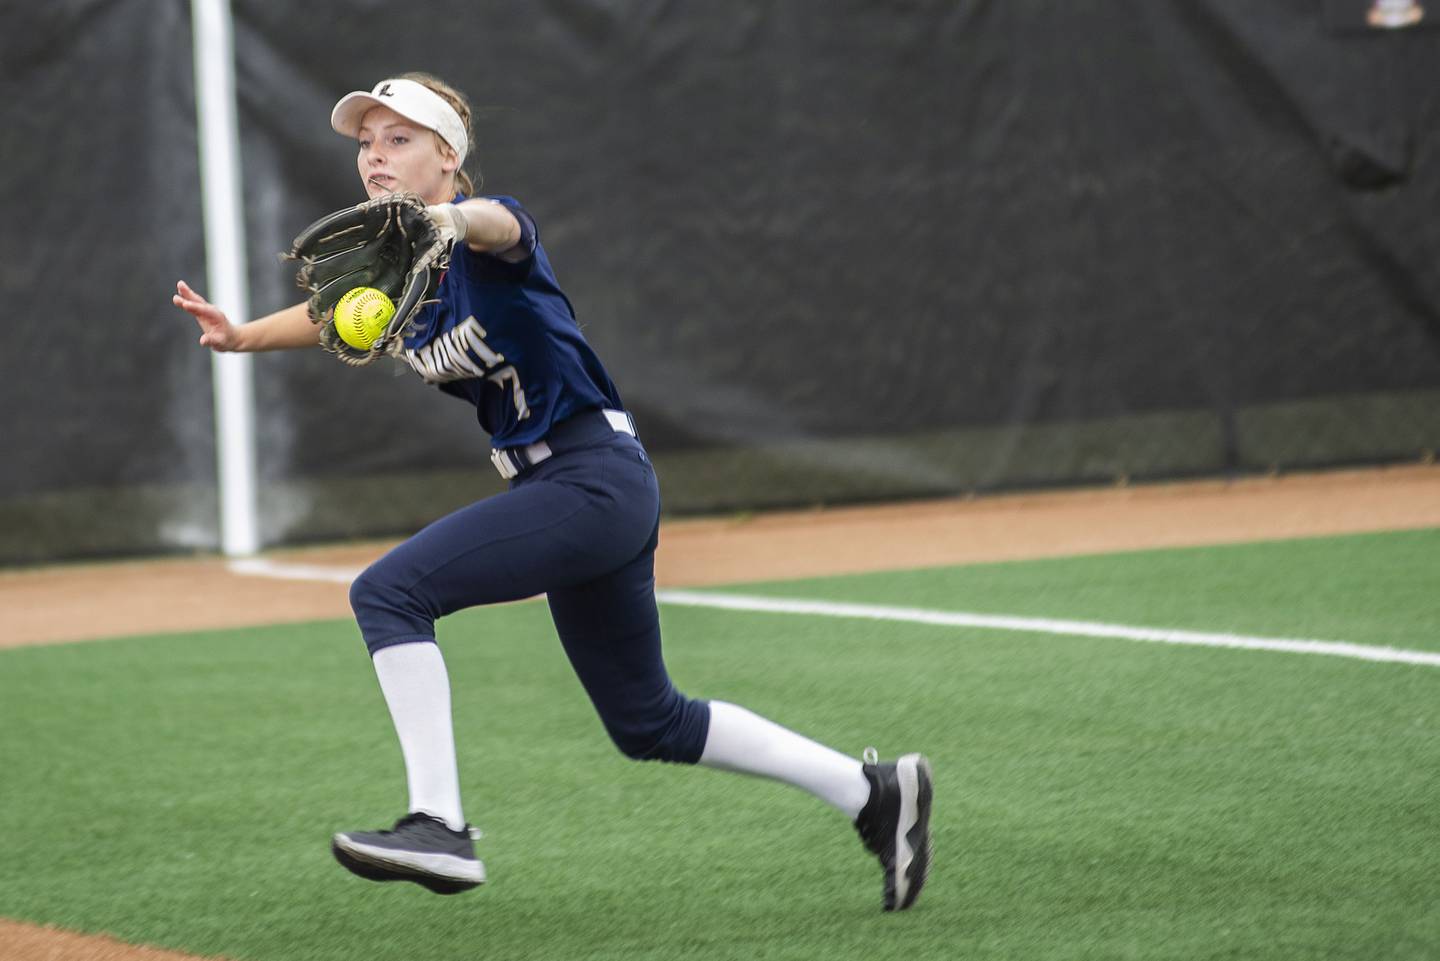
x=216, y=331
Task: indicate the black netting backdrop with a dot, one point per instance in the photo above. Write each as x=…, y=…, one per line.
x=109, y=426
x=831, y=250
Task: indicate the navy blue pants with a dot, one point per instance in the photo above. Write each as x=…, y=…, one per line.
x=580, y=527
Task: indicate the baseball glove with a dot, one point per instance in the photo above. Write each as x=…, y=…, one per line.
x=389, y=243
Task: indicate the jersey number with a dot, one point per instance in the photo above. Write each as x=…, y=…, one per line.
x=461, y=353
x=517, y=392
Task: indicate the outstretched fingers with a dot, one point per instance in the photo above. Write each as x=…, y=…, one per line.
x=215, y=329
x=186, y=299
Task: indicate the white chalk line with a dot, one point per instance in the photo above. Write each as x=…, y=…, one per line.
x=257, y=567
x=1042, y=625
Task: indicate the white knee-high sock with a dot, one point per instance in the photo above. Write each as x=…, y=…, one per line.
x=743, y=741
x=417, y=691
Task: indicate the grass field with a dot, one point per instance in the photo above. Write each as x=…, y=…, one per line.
x=1095, y=798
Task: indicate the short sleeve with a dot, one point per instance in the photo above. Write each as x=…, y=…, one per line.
x=529, y=233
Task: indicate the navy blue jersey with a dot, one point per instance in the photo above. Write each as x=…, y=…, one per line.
x=503, y=337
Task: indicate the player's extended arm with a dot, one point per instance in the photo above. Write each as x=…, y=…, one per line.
x=486, y=226
x=283, y=330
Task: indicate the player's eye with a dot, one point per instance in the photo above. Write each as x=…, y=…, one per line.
x=364, y=145
x=399, y=139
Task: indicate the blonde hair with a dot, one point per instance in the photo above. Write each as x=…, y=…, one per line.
x=457, y=100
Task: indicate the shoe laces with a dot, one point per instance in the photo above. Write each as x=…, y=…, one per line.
x=415, y=817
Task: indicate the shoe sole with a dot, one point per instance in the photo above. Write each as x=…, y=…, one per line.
x=440, y=873
x=913, y=846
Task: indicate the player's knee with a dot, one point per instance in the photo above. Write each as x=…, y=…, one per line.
x=385, y=611
x=637, y=746
x=366, y=592
x=676, y=735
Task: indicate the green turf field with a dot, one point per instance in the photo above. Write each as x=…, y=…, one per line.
x=1095, y=798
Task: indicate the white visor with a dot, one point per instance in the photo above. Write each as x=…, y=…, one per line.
x=411, y=100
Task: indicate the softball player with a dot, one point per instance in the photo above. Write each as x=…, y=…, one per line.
x=579, y=524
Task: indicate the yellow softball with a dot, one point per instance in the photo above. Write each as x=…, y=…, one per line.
x=362, y=315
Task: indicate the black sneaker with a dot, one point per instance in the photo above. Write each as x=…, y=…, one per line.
x=420, y=848
x=895, y=824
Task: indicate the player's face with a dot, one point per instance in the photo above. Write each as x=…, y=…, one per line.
x=397, y=154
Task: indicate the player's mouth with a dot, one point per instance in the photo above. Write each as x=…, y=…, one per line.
x=383, y=181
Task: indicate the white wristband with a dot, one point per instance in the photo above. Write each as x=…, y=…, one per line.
x=451, y=221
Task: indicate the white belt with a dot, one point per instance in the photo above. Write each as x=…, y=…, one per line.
x=510, y=461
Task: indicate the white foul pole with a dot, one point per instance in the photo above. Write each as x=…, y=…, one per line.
x=225, y=264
